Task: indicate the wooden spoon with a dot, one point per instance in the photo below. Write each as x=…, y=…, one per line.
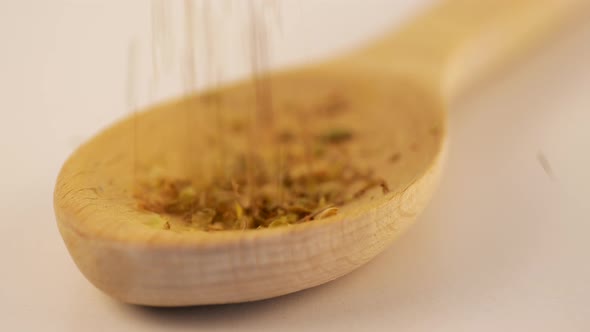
x=396, y=92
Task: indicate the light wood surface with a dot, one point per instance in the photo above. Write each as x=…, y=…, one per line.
x=402, y=84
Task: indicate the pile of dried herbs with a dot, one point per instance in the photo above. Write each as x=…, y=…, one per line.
x=243, y=199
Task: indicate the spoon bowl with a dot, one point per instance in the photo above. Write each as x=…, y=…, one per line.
x=392, y=95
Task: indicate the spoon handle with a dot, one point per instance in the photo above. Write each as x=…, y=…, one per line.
x=458, y=42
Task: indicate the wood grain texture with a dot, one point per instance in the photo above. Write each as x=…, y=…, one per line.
x=398, y=89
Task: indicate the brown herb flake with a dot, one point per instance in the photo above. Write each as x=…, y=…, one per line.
x=238, y=126
x=336, y=136
x=286, y=136
x=384, y=187
x=434, y=131
x=372, y=183
x=396, y=157
x=334, y=105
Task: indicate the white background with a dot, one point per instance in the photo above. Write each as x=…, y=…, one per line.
x=502, y=247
